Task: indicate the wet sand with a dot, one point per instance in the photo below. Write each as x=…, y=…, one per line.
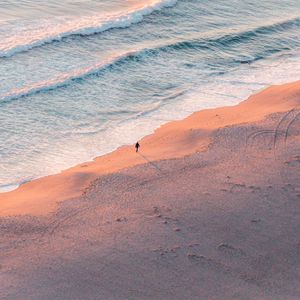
x=173, y=140
x=209, y=209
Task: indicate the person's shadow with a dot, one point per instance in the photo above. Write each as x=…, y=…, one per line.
x=150, y=162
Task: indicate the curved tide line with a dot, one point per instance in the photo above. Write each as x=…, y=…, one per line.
x=63, y=79
x=121, y=21
x=259, y=31
x=240, y=37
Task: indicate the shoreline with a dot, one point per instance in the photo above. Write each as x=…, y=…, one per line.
x=216, y=224
x=11, y=187
x=174, y=139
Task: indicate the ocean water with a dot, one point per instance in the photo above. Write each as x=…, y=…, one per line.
x=80, y=78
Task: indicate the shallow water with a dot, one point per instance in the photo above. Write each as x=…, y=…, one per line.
x=80, y=79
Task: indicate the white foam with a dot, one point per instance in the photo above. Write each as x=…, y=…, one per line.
x=61, y=79
x=59, y=28
x=228, y=89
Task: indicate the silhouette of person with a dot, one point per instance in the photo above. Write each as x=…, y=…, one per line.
x=137, y=146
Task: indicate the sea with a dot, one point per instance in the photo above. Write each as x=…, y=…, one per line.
x=80, y=78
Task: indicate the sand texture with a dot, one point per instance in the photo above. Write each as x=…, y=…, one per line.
x=210, y=209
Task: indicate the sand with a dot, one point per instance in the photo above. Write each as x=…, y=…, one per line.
x=210, y=209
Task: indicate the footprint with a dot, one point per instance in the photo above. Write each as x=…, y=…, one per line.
x=192, y=245
x=208, y=262
x=230, y=250
x=255, y=220
x=167, y=252
x=237, y=187
x=121, y=219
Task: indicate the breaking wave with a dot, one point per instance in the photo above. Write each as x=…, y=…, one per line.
x=85, y=26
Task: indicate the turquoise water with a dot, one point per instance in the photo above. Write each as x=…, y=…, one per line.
x=79, y=79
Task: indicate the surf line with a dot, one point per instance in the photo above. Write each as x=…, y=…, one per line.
x=115, y=21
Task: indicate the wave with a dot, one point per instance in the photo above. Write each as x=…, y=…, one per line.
x=218, y=43
x=126, y=20
x=239, y=37
x=225, y=42
x=261, y=30
x=63, y=79
x=87, y=27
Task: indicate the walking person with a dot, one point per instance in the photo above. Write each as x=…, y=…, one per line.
x=137, y=146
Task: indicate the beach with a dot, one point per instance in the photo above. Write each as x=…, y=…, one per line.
x=81, y=79
x=208, y=209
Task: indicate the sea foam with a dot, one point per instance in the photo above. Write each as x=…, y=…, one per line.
x=62, y=79
x=83, y=26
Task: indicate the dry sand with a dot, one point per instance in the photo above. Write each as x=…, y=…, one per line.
x=210, y=209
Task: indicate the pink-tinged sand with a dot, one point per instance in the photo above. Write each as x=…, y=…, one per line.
x=172, y=140
x=220, y=223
